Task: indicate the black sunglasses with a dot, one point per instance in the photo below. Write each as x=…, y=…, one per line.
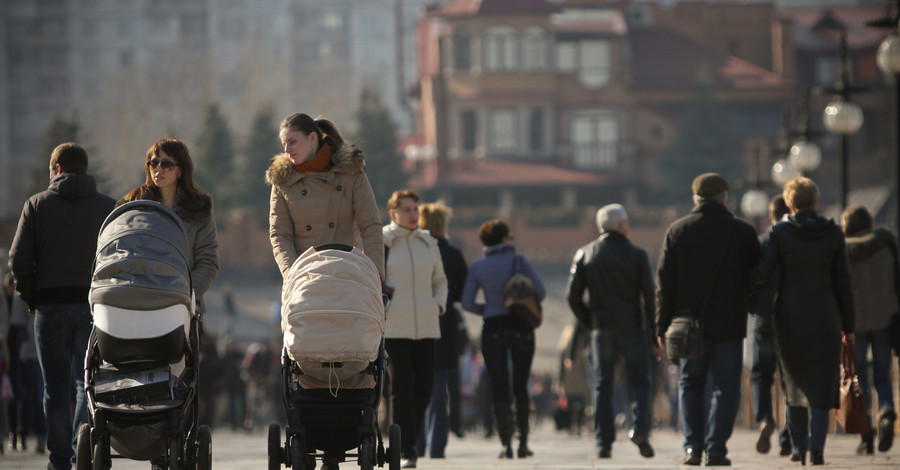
x=165, y=164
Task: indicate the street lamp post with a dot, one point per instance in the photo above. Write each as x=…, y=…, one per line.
x=842, y=116
x=888, y=59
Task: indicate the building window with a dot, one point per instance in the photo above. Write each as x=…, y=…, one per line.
x=126, y=28
x=536, y=130
x=826, y=70
x=462, y=50
x=534, y=49
x=502, y=128
x=468, y=131
x=594, y=63
x=566, y=56
x=500, y=49
x=126, y=58
x=594, y=137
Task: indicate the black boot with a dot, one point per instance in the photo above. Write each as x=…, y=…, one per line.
x=522, y=414
x=503, y=422
x=886, y=429
x=816, y=457
x=866, y=443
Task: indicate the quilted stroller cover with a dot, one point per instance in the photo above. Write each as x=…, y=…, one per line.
x=142, y=260
x=332, y=315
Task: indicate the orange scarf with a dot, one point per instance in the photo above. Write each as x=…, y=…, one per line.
x=318, y=163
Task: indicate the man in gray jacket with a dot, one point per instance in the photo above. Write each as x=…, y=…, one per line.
x=52, y=258
x=616, y=275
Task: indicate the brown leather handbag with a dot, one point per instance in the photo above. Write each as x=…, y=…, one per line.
x=852, y=412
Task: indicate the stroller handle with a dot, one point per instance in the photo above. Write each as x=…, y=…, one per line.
x=333, y=246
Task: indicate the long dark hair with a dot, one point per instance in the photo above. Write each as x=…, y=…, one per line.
x=191, y=202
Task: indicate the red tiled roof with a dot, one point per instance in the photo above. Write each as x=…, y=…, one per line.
x=859, y=36
x=493, y=172
x=481, y=7
x=663, y=59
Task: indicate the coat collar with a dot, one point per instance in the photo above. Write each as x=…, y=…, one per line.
x=346, y=159
x=394, y=231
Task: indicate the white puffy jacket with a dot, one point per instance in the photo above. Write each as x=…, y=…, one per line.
x=414, y=270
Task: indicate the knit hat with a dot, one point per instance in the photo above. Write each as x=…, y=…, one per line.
x=709, y=184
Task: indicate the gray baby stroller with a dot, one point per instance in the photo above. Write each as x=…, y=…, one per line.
x=332, y=317
x=141, y=367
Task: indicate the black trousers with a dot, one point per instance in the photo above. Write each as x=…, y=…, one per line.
x=412, y=381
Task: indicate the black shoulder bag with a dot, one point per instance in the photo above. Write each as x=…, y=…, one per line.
x=684, y=337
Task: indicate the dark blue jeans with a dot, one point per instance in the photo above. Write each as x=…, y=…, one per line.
x=722, y=363
x=606, y=347
x=437, y=421
x=61, y=333
x=881, y=366
x=762, y=375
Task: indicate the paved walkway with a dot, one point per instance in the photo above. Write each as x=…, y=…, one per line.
x=553, y=450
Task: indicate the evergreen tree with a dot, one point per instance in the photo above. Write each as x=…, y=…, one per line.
x=377, y=138
x=61, y=130
x=259, y=147
x=706, y=142
x=214, y=155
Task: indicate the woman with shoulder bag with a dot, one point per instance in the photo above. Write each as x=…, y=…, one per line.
x=503, y=336
x=813, y=314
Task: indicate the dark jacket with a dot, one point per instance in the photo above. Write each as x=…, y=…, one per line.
x=813, y=305
x=762, y=302
x=616, y=275
x=693, y=246
x=52, y=254
x=874, y=274
x=447, y=354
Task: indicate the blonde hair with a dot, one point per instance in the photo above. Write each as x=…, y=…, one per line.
x=801, y=194
x=433, y=216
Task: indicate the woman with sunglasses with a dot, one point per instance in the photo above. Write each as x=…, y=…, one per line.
x=320, y=194
x=170, y=181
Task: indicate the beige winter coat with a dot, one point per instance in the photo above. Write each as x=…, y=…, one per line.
x=416, y=273
x=333, y=206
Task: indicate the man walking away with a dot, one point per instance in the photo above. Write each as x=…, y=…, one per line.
x=619, y=312
x=763, y=369
x=706, y=261
x=51, y=258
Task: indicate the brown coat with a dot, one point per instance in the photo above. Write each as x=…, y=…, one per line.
x=332, y=206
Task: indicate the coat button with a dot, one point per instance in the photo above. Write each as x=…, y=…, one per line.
x=331, y=224
x=308, y=228
x=340, y=188
x=303, y=193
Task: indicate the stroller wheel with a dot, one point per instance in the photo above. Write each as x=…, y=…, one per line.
x=204, y=448
x=83, y=448
x=175, y=455
x=275, y=447
x=394, y=448
x=298, y=452
x=99, y=460
x=367, y=453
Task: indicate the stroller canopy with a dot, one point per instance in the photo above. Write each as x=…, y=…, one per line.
x=142, y=260
x=332, y=309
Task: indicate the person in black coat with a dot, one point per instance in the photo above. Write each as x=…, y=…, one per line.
x=433, y=217
x=764, y=360
x=704, y=271
x=813, y=312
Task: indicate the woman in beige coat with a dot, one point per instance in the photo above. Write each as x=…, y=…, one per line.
x=418, y=287
x=320, y=194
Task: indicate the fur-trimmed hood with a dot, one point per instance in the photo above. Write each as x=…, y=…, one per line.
x=348, y=158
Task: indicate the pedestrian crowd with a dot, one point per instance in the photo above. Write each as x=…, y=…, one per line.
x=813, y=287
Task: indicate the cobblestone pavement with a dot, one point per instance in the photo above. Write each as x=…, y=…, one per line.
x=552, y=449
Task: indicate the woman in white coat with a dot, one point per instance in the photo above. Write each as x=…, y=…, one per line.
x=415, y=280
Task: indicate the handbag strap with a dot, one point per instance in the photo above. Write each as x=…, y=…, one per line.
x=515, y=266
x=712, y=288
x=848, y=359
